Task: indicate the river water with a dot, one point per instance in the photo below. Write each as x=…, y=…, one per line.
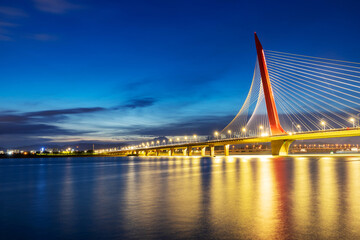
x=242, y=197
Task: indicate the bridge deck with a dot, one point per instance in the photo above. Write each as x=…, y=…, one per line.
x=331, y=133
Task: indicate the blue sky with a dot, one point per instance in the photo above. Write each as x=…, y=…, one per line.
x=76, y=70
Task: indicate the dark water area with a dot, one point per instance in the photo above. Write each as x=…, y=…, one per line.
x=247, y=197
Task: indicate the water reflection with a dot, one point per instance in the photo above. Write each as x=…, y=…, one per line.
x=245, y=197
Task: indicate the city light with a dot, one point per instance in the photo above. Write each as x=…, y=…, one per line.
x=353, y=121
x=323, y=123
x=216, y=134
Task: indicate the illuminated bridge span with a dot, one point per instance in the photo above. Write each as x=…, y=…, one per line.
x=292, y=97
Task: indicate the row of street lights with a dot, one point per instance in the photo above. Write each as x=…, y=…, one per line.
x=298, y=126
x=157, y=143
x=216, y=134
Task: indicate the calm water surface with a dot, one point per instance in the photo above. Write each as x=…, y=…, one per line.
x=248, y=197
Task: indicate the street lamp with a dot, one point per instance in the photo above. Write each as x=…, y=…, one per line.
x=229, y=132
x=353, y=121
x=158, y=142
x=244, y=131
x=185, y=138
x=298, y=127
x=216, y=134
x=170, y=140
x=195, y=137
x=261, y=127
x=323, y=123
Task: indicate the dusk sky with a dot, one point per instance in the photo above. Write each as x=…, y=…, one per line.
x=76, y=70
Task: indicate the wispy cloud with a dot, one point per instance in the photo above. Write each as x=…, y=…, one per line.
x=139, y=103
x=5, y=33
x=55, y=6
x=48, y=113
x=7, y=24
x=200, y=125
x=12, y=12
x=43, y=37
x=44, y=116
x=5, y=38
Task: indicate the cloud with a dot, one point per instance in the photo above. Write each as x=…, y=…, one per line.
x=12, y=12
x=45, y=115
x=5, y=38
x=8, y=24
x=43, y=37
x=138, y=103
x=34, y=129
x=197, y=125
x=48, y=113
x=4, y=32
x=55, y=6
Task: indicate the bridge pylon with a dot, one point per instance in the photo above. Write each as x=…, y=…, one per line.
x=269, y=97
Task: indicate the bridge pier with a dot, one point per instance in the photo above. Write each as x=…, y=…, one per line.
x=157, y=152
x=280, y=147
x=184, y=151
x=146, y=152
x=203, y=151
x=226, y=149
x=212, y=151
x=189, y=151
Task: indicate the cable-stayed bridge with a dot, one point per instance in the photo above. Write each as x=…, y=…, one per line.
x=291, y=97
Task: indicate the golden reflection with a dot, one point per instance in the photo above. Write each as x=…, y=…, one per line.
x=266, y=222
x=145, y=194
x=230, y=159
x=246, y=198
x=302, y=194
x=224, y=195
x=353, y=195
x=328, y=196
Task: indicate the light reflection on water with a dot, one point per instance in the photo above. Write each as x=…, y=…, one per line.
x=247, y=197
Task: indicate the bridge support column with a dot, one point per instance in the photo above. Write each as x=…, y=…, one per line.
x=157, y=152
x=203, y=151
x=171, y=152
x=212, y=151
x=280, y=147
x=146, y=152
x=189, y=150
x=184, y=151
x=226, y=149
